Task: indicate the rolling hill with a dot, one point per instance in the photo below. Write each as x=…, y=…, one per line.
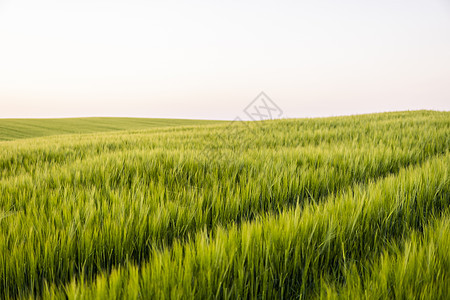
x=343, y=207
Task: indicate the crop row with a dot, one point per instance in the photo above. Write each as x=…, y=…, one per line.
x=289, y=254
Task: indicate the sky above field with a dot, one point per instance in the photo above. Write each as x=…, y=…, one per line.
x=210, y=59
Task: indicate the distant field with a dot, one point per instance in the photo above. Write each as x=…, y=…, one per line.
x=341, y=208
x=12, y=129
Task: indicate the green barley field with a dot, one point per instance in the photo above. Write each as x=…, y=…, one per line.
x=114, y=208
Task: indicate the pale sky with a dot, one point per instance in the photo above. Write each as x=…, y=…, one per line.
x=210, y=59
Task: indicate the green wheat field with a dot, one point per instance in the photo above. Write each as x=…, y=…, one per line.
x=119, y=208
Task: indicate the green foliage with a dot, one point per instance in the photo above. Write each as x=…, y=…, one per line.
x=275, y=209
x=415, y=268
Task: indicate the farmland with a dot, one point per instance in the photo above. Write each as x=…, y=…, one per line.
x=342, y=207
x=13, y=129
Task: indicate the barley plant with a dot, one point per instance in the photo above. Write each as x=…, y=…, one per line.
x=110, y=208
